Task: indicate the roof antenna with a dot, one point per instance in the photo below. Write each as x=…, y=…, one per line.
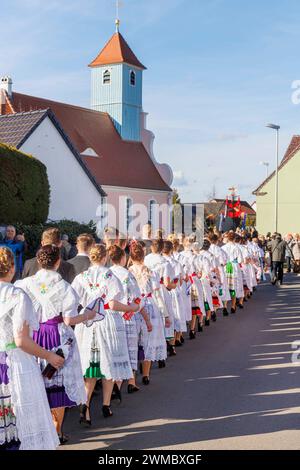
x=117, y=22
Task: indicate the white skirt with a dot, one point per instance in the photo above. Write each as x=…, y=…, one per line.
x=226, y=297
x=187, y=300
x=132, y=341
x=35, y=427
x=154, y=343
x=179, y=310
x=114, y=355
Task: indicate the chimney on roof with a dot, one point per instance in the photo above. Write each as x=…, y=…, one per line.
x=6, y=84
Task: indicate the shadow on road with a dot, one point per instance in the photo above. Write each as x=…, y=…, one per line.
x=237, y=379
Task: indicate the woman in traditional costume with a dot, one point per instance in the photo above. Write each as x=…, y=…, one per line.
x=212, y=277
x=246, y=267
x=233, y=270
x=56, y=304
x=102, y=344
x=186, y=280
x=177, y=297
x=132, y=294
x=221, y=261
x=193, y=269
x=25, y=418
x=157, y=264
x=153, y=343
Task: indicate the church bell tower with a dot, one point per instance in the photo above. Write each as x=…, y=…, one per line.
x=117, y=86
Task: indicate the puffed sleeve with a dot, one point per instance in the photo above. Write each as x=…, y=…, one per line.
x=113, y=287
x=24, y=313
x=134, y=287
x=70, y=303
x=78, y=286
x=155, y=280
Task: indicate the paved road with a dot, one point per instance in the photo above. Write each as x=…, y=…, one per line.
x=234, y=387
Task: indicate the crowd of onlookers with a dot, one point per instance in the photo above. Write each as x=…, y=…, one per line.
x=278, y=251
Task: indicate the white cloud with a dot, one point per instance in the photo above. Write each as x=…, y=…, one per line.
x=179, y=179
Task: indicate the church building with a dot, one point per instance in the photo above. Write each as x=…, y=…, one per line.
x=99, y=157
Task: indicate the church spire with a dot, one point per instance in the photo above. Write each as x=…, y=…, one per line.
x=117, y=22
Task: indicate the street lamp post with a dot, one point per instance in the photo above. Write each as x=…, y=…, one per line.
x=276, y=128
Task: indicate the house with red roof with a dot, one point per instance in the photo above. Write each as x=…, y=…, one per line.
x=100, y=160
x=288, y=194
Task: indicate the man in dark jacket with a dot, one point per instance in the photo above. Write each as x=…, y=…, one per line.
x=51, y=236
x=81, y=262
x=277, y=249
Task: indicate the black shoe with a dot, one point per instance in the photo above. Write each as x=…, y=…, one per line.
x=192, y=334
x=172, y=351
x=200, y=328
x=146, y=380
x=106, y=411
x=233, y=310
x=63, y=439
x=225, y=312
x=178, y=343
x=240, y=305
x=207, y=322
x=83, y=412
x=132, y=388
x=245, y=299
x=116, y=394
x=182, y=340
x=161, y=364
x=214, y=317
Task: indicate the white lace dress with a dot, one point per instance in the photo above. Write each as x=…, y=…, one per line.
x=234, y=278
x=131, y=293
x=177, y=295
x=192, y=268
x=154, y=343
x=161, y=267
x=221, y=261
x=98, y=282
x=54, y=299
x=24, y=391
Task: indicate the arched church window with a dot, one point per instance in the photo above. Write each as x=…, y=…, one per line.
x=106, y=77
x=132, y=78
x=152, y=212
x=128, y=213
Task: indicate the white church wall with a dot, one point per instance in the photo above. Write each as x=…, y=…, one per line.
x=73, y=196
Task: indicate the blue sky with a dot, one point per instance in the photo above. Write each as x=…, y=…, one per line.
x=218, y=71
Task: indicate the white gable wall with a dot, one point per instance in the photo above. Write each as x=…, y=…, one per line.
x=73, y=196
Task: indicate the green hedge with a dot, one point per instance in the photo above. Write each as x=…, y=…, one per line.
x=24, y=188
x=33, y=233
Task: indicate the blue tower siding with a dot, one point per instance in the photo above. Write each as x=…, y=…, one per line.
x=121, y=100
x=131, y=128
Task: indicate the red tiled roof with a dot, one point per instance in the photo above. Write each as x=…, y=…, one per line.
x=120, y=163
x=117, y=51
x=5, y=104
x=292, y=149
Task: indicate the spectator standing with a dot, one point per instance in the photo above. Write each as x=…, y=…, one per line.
x=16, y=243
x=81, y=262
x=66, y=247
x=296, y=252
x=289, y=251
x=51, y=236
x=277, y=249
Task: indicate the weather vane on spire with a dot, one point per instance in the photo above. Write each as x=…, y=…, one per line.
x=118, y=5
